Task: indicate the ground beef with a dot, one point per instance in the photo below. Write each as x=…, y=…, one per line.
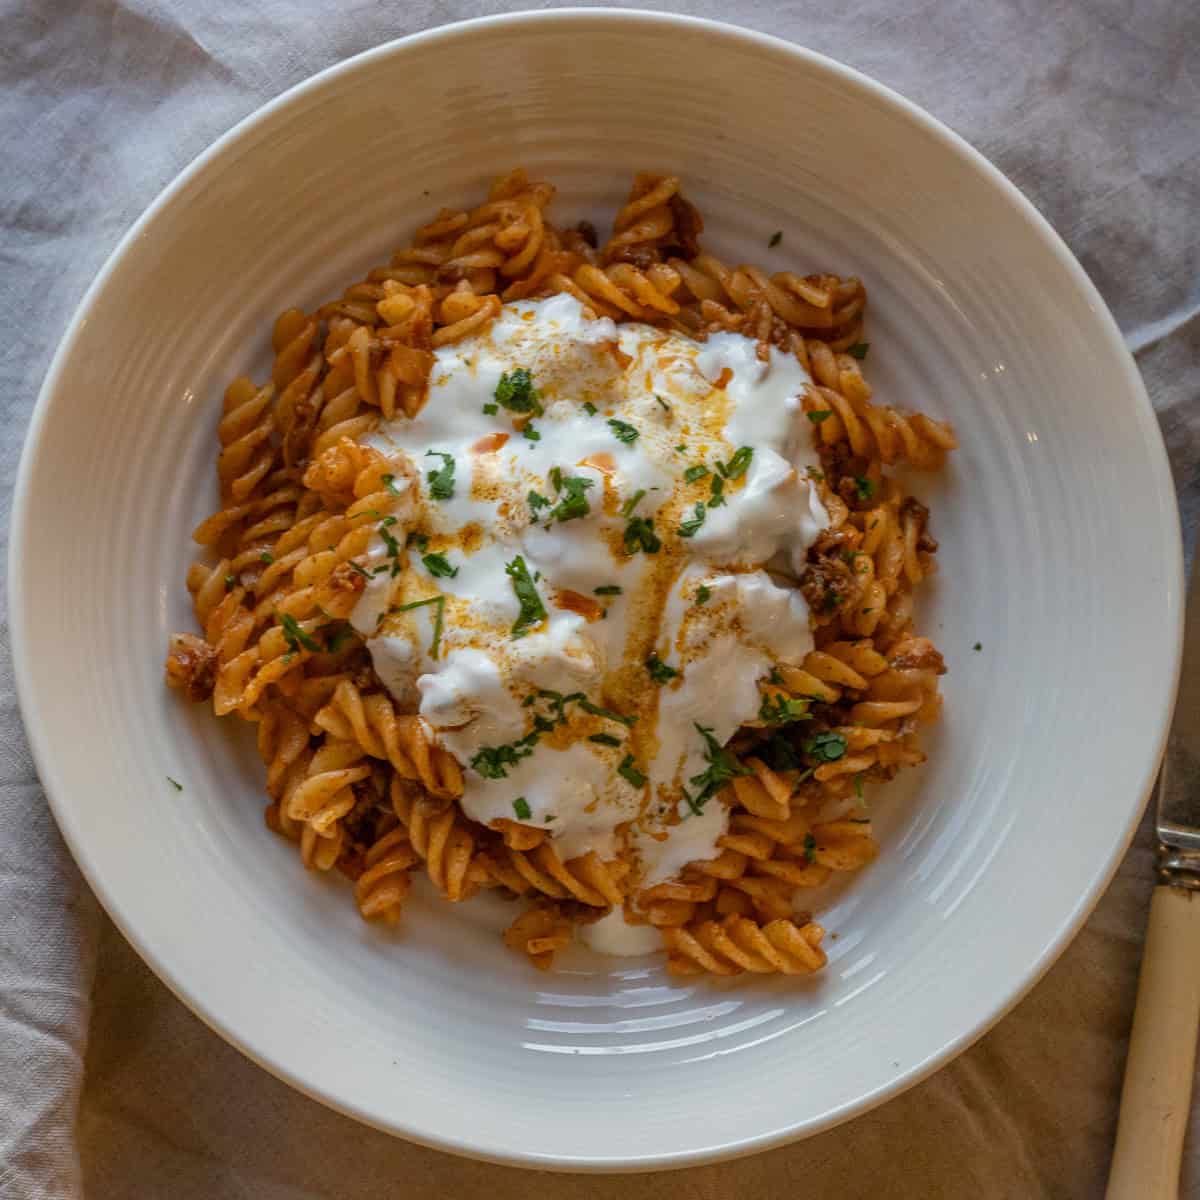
x=192, y=666
x=826, y=582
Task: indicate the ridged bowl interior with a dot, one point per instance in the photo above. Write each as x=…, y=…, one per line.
x=1059, y=555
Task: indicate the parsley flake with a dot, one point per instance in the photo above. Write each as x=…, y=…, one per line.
x=640, y=535
x=623, y=431
x=175, y=784
x=694, y=473
x=572, y=503
x=230, y=581
x=609, y=589
x=438, y=602
x=776, y=238
x=267, y=557
x=532, y=608
x=819, y=415
x=516, y=392
x=859, y=350
x=810, y=847
x=864, y=487
x=825, y=747
x=522, y=809
x=604, y=739
x=389, y=482
x=659, y=671
x=722, y=767
x=589, y=408
x=439, y=566
x=441, y=481
x=703, y=594
x=632, y=503
x=295, y=636
x=662, y=403
x=629, y=772
x=491, y=410
x=597, y=711
x=689, y=527
x=735, y=468
x=782, y=710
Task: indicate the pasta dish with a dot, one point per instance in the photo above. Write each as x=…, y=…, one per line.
x=574, y=570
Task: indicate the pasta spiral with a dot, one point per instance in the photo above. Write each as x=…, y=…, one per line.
x=359, y=781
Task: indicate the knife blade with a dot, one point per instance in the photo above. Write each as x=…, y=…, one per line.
x=1178, y=802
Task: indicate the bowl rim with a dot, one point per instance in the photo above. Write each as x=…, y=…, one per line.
x=37, y=718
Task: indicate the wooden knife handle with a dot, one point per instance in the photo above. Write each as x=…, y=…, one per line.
x=1156, y=1097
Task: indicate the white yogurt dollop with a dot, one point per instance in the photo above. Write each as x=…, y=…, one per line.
x=625, y=517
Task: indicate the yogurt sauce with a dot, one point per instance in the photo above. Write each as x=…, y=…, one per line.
x=627, y=515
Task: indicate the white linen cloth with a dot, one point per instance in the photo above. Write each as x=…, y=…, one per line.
x=1091, y=106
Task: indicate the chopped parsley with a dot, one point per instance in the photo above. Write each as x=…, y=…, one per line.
x=532, y=608
x=703, y=594
x=492, y=762
x=782, y=710
x=441, y=481
x=819, y=415
x=516, y=392
x=810, y=847
x=859, y=350
x=522, y=809
x=694, y=473
x=609, y=589
x=417, y=539
x=439, y=602
x=530, y=433
x=604, y=739
x=629, y=772
x=597, y=711
x=389, y=482
x=689, y=527
x=775, y=677
x=977, y=646
x=589, y=408
x=858, y=785
x=640, y=535
x=351, y=564
x=491, y=410
x=825, y=747
x=659, y=671
x=722, y=767
x=632, y=503
x=681, y=448
x=662, y=403
x=817, y=474
x=717, y=492
x=776, y=238
x=572, y=503
x=735, y=468
x=536, y=502
x=864, y=487
x=439, y=566
x=175, y=784
x=295, y=636
x=623, y=431
x=267, y=557
x=230, y=581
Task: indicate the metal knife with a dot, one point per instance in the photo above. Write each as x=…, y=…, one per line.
x=1156, y=1097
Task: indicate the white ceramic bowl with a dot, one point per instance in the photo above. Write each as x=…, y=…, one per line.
x=1060, y=554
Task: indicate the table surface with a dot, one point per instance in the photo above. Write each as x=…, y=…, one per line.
x=1091, y=108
